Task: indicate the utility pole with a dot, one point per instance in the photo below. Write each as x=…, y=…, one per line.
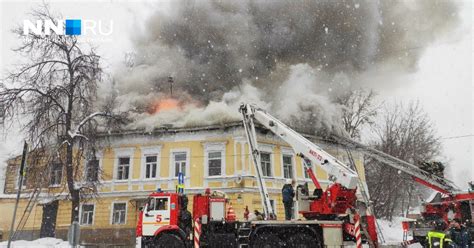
x=22, y=170
x=170, y=80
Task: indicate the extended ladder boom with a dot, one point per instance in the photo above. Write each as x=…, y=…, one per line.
x=439, y=184
x=249, y=127
x=337, y=171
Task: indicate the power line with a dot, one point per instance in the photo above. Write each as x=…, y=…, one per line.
x=459, y=136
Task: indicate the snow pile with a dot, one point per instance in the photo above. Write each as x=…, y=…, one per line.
x=392, y=231
x=39, y=243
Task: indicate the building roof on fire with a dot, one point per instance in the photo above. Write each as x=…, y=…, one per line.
x=169, y=129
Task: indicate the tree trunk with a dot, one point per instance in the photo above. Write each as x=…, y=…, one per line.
x=75, y=197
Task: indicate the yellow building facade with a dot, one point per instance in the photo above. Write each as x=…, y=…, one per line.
x=132, y=164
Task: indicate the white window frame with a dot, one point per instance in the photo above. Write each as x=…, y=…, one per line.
x=288, y=152
x=112, y=213
x=265, y=148
x=121, y=153
x=123, y=166
x=80, y=214
x=265, y=170
x=98, y=156
x=150, y=151
x=214, y=147
x=172, y=166
x=87, y=170
x=51, y=174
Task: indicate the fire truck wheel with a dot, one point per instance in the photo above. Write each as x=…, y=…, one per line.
x=169, y=240
x=266, y=240
x=303, y=240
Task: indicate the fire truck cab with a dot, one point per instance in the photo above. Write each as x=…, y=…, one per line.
x=165, y=221
x=159, y=219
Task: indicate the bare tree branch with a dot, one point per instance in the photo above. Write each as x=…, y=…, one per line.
x=358, y=110
x=406, y=133
x=55, y=89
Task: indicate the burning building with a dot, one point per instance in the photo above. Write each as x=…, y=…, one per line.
x=131, y=164
x=292, y=58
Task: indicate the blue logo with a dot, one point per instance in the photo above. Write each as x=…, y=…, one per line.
x=67, y=27
x=73, y=27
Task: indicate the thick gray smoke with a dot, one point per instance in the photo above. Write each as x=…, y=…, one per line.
x=291, y=57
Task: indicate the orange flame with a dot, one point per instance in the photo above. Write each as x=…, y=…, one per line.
x=164, y=105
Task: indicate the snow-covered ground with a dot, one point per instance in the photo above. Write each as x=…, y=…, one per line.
x=39, y=243
x=393, y=232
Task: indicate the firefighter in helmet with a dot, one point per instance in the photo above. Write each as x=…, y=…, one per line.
x=459, y=234
x=437, y=237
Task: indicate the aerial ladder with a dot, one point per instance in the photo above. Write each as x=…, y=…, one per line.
x=344, y=177
x=308, y=151
x=430, y=180
x=339, y=199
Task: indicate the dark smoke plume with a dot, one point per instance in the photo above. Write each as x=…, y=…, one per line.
x=296, y=54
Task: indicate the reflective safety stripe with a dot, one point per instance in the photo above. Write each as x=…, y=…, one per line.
x=156, y=223
x=436, y=239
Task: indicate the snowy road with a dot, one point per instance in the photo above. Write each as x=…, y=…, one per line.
x=392, y=233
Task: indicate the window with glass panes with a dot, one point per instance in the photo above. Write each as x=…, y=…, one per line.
x=119, y=213
x=87, y=214
x=158, y=204
x=179, y=163
x=92, y=171
x=151, y=166
x=123, y=168
x=287, y=166
x=56, y=174
x=214, y=160
x=266, y=163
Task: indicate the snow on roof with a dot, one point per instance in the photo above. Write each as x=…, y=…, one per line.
x=169, y=129
x=435, y=197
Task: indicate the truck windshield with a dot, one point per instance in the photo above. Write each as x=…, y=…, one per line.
x=158, y=204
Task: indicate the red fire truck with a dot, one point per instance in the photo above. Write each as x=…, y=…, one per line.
x=440, y=207
x=164, y=223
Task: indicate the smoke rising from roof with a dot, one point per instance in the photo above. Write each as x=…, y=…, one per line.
x=291, y=57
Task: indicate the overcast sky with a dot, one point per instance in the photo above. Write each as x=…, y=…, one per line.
x=443, y=84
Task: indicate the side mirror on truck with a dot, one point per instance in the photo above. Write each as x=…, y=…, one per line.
x=147, y=208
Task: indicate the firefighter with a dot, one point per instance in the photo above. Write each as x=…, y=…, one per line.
x=437, y=238
x=288, y=193
x=256, y=215
x=459, y=234
x=185, y=218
